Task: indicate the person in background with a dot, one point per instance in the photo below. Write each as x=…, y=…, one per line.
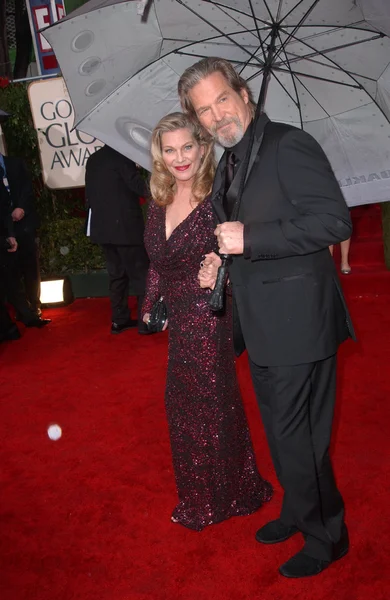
x=344, y=250
x=14, y=191
x=26, y=222
x=8, y=243
x=114, y=186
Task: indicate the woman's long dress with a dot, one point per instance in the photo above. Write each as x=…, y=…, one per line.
x=214, y=463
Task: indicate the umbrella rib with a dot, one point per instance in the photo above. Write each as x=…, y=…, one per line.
x=325, y=31
x=258, y=48
x=292, y=10
x=210, y=39
x=279, y=10
x=285, y=89
x=314, y=98
x=291, y=34
x=333, y=27
x=295, y=86
x=235, y=61
x=255, y=75
x=350, y=85
x=269, y=11
x=231, y=8
x=228, y=36
x=327, y=65
x=241, y=12
x=257, y=28
x=238, y=22
x=247, y=63
x=348, y=74
x=333, y=49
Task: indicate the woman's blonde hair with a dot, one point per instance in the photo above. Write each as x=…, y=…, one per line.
x=162, y=182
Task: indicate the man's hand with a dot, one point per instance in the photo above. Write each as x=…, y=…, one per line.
x=208, y=270
x=17, y=214
x=230, y=237
x=13, y=244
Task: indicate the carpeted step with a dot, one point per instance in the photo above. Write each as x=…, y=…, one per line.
x=365, y=254
x=364, y=283
x=367, y=224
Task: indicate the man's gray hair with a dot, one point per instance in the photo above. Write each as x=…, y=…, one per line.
x=202, y=69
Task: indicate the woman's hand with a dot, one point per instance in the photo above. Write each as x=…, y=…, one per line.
x=146, y=319
x=208, y=270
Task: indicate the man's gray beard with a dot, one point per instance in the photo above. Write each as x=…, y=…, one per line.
x=228, y=141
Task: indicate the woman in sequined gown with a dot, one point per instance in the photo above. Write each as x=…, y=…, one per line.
x=214, y=463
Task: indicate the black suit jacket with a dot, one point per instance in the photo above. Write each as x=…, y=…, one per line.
x=22, y=195
x=6, y=223
x=288, y=299
x=113, y=188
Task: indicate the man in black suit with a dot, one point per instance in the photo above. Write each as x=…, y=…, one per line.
x=14, y=194
x=26, y=223
x=8, y=243
x=113, y=188
x=289, y=310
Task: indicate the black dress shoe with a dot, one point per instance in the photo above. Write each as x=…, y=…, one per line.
x=130, y=324
x=303, y=565
x=275, y=532
x=38, y=322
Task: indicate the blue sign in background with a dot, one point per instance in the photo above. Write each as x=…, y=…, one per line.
x=43, y=13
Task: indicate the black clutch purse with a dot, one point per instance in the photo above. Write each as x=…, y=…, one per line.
x=158, y=316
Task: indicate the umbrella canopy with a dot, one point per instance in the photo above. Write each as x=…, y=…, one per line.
x=327, y=64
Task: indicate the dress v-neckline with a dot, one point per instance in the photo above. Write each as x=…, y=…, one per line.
x=179, y=225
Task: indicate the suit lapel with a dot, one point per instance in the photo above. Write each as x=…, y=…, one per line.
x=217, y=192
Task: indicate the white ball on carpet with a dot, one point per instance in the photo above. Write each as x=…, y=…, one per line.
x=54, y=432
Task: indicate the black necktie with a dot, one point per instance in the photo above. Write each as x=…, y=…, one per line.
x=229, y=176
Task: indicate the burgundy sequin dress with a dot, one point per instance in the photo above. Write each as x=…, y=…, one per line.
x=213, y=459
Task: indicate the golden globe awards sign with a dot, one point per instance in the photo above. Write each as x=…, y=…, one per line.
x=64, y=151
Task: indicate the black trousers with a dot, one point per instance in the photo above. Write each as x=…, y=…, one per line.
x=11, y=289
x=297, y=405
x=127, y=267
x=5, y=320
x=29, y=267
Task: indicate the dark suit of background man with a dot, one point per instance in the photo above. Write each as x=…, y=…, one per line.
x=113, y=188
x=16, y=207
x=289, y=310
x=26, y=222
x=8, y=244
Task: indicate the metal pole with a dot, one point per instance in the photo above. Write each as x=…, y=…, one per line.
x=36, y=77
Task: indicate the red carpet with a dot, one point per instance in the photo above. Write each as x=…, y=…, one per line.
x=88, y=517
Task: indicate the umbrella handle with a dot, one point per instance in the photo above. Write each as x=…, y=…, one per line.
x=216, y=301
